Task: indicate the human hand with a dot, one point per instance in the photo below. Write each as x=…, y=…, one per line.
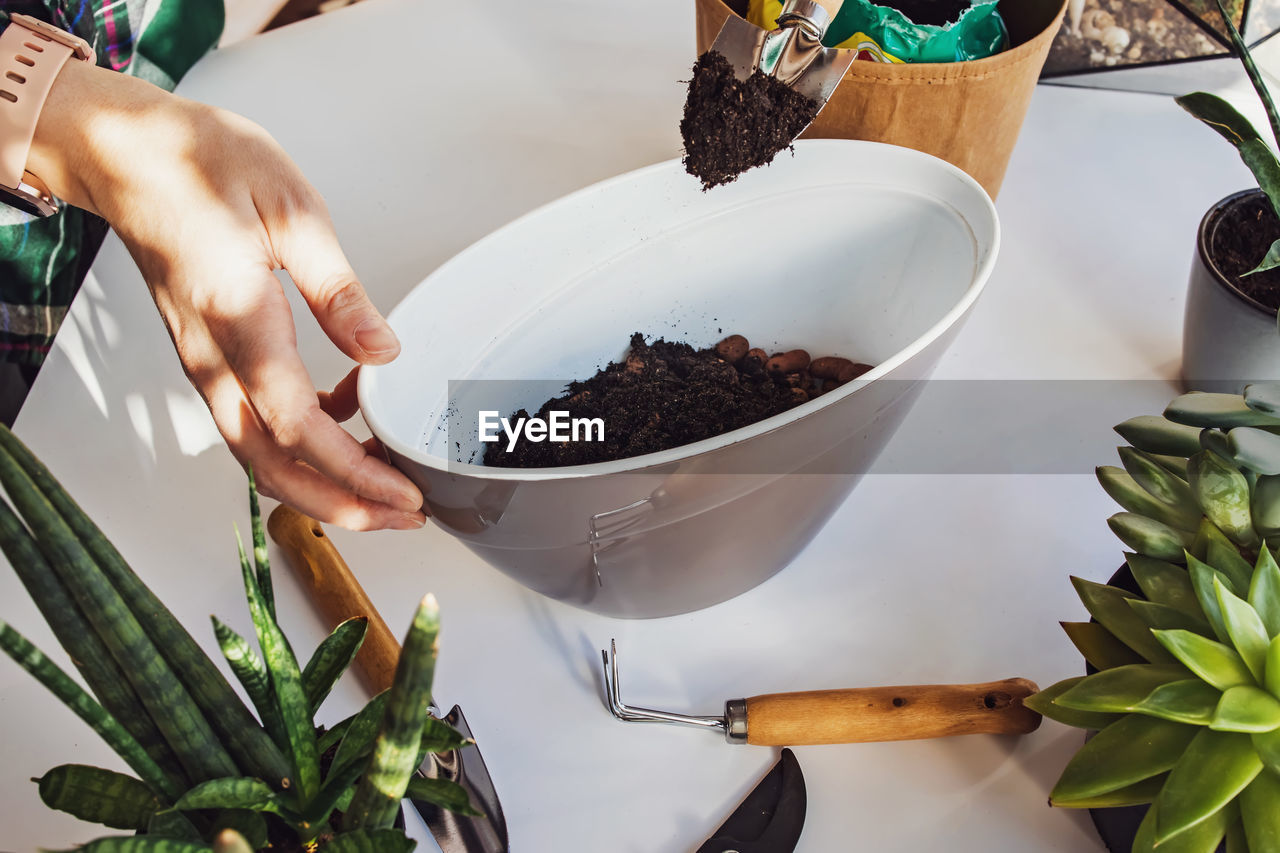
x=210, y=207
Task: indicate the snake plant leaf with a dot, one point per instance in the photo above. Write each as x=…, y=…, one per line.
x=1125, y=491
x=1164, y=583
x=1124, y=753
x=371, y=841
x=1202, y=579
x=233, y=793
x=1267, y=745
x=173, y=824
x=286, y=683
x=1109, y=605
x=1255, y=449
x=1148, y=536
x=74, y=697
x=141, y=844
x=1190, y=701
x=1246, y=630
x=98, y=796
x=1223, y=494
x=331, y=659
x=1137, y=794
x=1157, y=480
x=230, y=841
x=378, y=795
x=248, y=826
x=1044, y=703
x=247, y=742
x=1204, y=837
x=1219, y=115
x=1099, y=646
x=357, y=743
x=1260, y=812
x=439, y=736
x=253, y=676
x=443, y=793
x=1119, y=690
x=1264, y=592
x=1246, y=709
x=1164, y=617
x=1215, y=662
x=1261, y=160
x=1272, y=677
x=261, y=560
x=1160, y=436
x=1265, y=506
x=333, y=735
x=1215, y=767
x=1223, y=411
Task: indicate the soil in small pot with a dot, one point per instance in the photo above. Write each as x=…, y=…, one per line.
x=733, y=125
x=1240, y=237
x=667, y=394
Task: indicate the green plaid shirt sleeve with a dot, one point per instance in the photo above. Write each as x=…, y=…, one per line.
x=43, y=261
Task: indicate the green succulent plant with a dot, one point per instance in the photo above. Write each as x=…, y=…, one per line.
x=208, y=774
x=1185, y=699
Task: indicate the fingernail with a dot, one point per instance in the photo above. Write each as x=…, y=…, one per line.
x=408, y=521
x=375, y=337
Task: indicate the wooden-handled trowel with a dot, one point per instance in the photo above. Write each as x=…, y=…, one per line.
x=339, y=596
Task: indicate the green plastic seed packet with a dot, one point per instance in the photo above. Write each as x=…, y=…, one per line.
x=882, y=34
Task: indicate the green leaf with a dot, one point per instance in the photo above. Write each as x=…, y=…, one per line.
x=1202, y=578
x=333, y=735
x=1176, y=465
x=1189, y=701
x=1157, y=435
x=1265, y=506
x=1223, y=494
x=1109, y=605
x=1260, y=811
x=141, y=844
x=1263, y=397
x=1264, y=592
x=1267, y=745
x=1223, y=411
x=1215, y=767
x=1261, y=160
x=1204, y=837
x=1161, y=484
x=1044, y=703
x=370, y=841
x=1099, y=646
x=286, y=682
x=1125, y=491
x=1223, y=555
x=331, y=659
x=1272, y=678
x=377, y=797
x=98, y=796
x=1255, y=449
x=261, y=560
x=1245, y=628
x=1214, y=441
x=1119, y=690
x=253, y=676
x=233, y=793
x=1219, y=115
x=173, y=824
x=1164, y=583
x=1124, y=753
x=1137, y=794
x=442, y=793
x=357, y=743
x=1248, y=710
x=1148, y=536
x=1163, y=617
x=439, y=736
x=1214, y=662
x=1235, y=841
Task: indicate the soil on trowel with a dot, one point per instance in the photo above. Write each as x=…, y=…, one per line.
x=666, y=394
x=939, y=13
x=733, y=125
x=1242, y=235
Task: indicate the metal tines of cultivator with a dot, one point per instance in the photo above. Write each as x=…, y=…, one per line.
x=1185, y=699
x=208, y=775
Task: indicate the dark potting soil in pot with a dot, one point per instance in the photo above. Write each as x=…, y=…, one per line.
x=666, y=394
x=1241, y=236
x=936, y=12
x=733, y=125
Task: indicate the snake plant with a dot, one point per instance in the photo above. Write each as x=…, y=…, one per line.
x=209, y=775
x=1185, y=699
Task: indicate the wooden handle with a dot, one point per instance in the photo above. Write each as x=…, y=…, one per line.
x=891, y=713
x=336, y=591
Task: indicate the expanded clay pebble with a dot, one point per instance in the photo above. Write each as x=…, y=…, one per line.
x=668, y=394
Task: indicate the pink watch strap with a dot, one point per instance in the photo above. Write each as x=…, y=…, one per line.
x=31, y=55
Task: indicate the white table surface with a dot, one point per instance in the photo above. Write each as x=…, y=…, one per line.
x=422, y=148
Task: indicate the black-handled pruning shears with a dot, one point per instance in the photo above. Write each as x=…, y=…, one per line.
x=770, y=819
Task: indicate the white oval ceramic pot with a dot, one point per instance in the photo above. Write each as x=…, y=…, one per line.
x=858, y=249
x=1228, y=339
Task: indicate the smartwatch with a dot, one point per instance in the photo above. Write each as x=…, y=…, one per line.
x=31, y=55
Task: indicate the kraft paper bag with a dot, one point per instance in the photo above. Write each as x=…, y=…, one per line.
x=968, y=113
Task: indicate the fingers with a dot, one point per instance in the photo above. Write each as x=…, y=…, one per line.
x=309, y=250
x=341, y=403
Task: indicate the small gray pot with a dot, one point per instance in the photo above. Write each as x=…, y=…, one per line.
x=1228, y=339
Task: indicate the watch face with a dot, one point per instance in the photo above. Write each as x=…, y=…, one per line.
x=26, y=202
